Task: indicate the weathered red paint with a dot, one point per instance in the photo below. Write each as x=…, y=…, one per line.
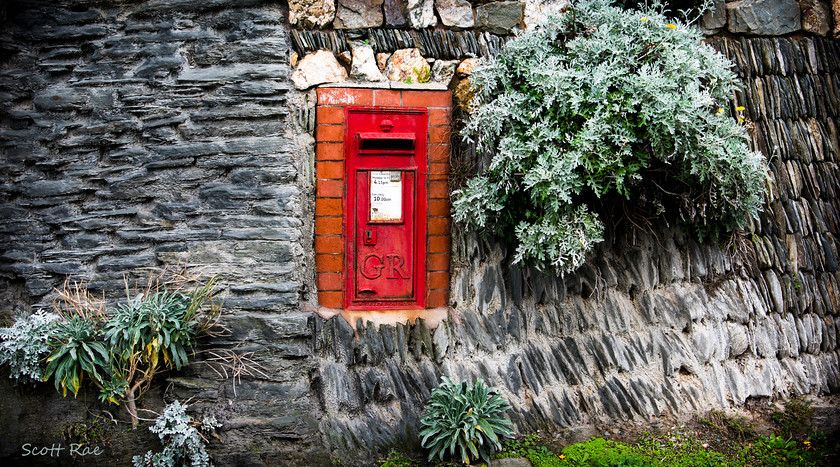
x=385, y=249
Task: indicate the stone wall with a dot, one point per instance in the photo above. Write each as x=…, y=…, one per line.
x=134, y=136
x=146, y=133
x=771, y=17
x=656, y=325
x=150, y=133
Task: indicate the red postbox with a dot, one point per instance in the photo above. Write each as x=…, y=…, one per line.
x=385, y=208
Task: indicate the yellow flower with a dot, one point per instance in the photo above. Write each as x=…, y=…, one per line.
x=740, y=108
x=720, y=111
x=562, y=456
x=644, y=19
x=670, y=26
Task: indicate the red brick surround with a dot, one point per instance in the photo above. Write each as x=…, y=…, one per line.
x=330, y=190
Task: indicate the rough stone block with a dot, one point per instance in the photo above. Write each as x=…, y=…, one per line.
x=364, y=65
x=455, y=13
x=764, y=17
x=268, y=329
x=737, y=337
x=715, y=18
x=499, y=17
x=354, y=14
x=311, y=13
x=318, y=68
x=395, y=13
x=816, y=16
x=337, y=389
x=421, y=13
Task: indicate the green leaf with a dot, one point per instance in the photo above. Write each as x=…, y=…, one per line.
x=455, y=421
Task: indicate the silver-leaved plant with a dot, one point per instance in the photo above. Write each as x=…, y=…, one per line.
x=602, y=101
x=24, y=344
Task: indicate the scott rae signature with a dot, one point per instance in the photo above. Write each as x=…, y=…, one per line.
x=57, y=448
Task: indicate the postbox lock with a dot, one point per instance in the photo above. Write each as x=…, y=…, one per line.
x=369, y=238
x=386, y=125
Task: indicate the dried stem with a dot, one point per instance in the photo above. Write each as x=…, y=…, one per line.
x=74, y=299
x=229, y=364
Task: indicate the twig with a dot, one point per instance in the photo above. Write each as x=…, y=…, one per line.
x=228, y=364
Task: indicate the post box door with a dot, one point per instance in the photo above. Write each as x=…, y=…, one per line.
x=385, y=210
x=385, y=231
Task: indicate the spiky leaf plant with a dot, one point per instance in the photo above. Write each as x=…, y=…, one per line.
x=597, y=105
x=152, y=332
x=77, y=351
x=122, y=350
x=464, y=422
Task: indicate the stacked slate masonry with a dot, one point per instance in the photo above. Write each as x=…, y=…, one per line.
x=145, y=133
x=151, y=133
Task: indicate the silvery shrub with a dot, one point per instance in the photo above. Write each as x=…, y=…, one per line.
x=599, y=101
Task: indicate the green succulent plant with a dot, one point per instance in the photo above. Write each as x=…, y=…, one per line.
x=122, y=349
x=464, y=421
x=77, y=351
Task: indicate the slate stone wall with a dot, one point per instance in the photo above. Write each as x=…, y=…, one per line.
x=656, y=325
x=142, y=133
x=137, y=135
